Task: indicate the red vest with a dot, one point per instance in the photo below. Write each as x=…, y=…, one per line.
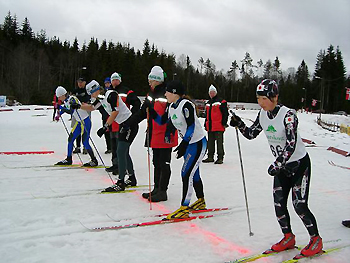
x=214, y=116
x=158, y=131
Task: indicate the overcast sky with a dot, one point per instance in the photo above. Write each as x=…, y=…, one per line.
x=222, y=30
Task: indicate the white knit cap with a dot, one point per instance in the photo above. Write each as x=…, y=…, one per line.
x=60, y=91
x=212, y=88
x=92, y=87
x=116, y=75
x=157, y=74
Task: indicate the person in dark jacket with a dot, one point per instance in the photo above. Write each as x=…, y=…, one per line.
x=83, y=97
x=216, y=115
x=161, y=138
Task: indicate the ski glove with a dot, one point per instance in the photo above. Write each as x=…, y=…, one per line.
x=236, y=121
x=75, y=106
x=57, y=117
x=275, y=168
x=102, y=130
x=181, y=149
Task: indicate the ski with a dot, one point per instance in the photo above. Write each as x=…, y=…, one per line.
x=155, y=222
x=324, y=252
x=272, y=253
x=337, y=165
x=57, y=166
x=165, y=214
x=81, y=194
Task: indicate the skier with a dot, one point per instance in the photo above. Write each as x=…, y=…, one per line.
x=132, y=102
x=181, y=112
x=118, y=112
x=291, y=169
x=216, y=115
x=82, y=126
x=161, y=138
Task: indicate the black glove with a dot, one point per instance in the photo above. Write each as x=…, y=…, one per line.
x=148, y=103
x=170, y=131
x=181, y=149
x=75, y=106
x=275, y=168
x=102, y=130
x=236, y=121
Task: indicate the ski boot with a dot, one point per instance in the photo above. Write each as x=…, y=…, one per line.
x=112, y=168
x=208, y=160
x=198, y=205
x=146, y=195
x=92, y=163
x=158, y=197
x=219, y=161
x=108, y=151
x=346, y=223
x=287, y=242
x=181, y=213
x=77, y=150
x=117, y=187
x=131, y=181
x=67, y=161
x=314, y=247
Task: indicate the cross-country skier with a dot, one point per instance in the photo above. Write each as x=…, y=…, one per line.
x=182, y=113
x=118, y=112
x=291, y=169
x=161, y=138
x=130, y=99
x=83, y=126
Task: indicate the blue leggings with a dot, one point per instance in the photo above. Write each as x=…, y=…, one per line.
x=190, y=171
x=80, y=128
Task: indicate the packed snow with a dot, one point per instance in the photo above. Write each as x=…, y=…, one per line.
x=44, y=209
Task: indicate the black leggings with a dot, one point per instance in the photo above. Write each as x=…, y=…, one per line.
x=299, y=182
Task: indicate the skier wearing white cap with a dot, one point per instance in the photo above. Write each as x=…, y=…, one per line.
x=71, y=105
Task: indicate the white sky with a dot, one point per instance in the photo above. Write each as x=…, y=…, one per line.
x=219, y=30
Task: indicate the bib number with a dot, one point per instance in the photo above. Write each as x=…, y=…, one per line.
x=276, y=151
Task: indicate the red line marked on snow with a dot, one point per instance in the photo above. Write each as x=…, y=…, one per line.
x=216, y=241
x=341, y=152
x=6, y=110
x=308, y=141
x=22, y=153
x=23, y=109
x=39, y=109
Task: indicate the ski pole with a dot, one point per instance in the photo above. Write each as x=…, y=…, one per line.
x=65, y=127
x=149, y=163
x=95, y=147
x=244, y=186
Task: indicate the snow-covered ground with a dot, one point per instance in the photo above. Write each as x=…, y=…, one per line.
x=41, y=208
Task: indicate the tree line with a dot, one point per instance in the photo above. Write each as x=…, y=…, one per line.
x=32, y=65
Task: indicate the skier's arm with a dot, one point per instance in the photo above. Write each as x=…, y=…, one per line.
x=160, y=119
x=134, y=101
x=248, y=132
x=189, y=114
x=291, y=126
x=113, y=101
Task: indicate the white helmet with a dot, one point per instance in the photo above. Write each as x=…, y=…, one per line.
x=60, y=91
x=92, y=87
